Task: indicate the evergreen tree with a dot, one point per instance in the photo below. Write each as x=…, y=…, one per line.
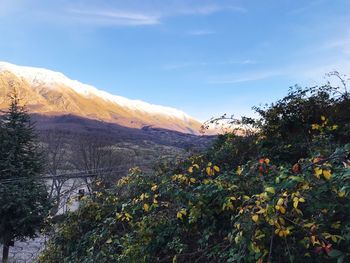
x=23, y=199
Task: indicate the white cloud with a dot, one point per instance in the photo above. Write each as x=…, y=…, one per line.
x=111, y=13
x=193, y=64
x=210, y=9
x=153, y=14
x=200, y=32
x=302, y=72
x=340, y=44
x=245, y=77
x=114, y=17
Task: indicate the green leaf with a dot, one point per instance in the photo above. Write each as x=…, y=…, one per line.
x=341, y=259
x=297, y=178
x=334, y=253
x=270, y=190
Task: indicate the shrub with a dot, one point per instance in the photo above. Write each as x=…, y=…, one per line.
x=278, y=195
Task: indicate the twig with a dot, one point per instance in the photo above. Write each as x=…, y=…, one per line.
x=331, y=157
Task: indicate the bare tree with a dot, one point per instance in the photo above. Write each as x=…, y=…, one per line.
x=57, y=156
x=95, y=156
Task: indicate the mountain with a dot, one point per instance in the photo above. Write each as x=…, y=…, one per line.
x=51, y=94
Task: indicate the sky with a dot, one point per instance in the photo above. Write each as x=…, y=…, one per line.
x=205, y=57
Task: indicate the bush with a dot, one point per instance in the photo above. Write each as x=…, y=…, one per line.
x=276, y=195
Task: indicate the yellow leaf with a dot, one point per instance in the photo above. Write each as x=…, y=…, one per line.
x=327, y=174
x=341, y=193
x=267, y=161
x=209, y=171
x=179, y=215
x=282, y=210
x=280, y=201
x=205, y=181
x=227, y=206
x=196, y=165
x=146, y=207
x=109, y=241
x=323, y=118
x=190, y=170
x=255, y=218
x=261, y=211
x=336, y=225
x=128, y=216
x=154, y=188
x=295, y=204
x=318, y=172
x=314, y=240
x=309, y=225
x=239, y=170
x=192, y=180
x=143, y=196
x=216, y=168
x=315, y=126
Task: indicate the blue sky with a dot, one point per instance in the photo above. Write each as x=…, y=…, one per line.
x=205, y=57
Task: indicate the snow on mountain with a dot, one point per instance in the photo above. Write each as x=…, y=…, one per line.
x=41, y=76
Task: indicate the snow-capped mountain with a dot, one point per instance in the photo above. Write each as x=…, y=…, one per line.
x=52, y=93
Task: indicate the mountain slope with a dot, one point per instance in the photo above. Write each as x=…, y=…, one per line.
x=53, y=94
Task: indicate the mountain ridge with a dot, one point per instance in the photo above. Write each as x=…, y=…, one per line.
x=52, y=93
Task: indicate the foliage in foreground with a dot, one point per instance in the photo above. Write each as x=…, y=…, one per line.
x=213, y=208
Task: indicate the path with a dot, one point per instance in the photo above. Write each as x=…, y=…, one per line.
x=25, y=251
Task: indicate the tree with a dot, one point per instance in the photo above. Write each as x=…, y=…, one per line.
x=24, y=200
x=95, y=157
x=57, y=160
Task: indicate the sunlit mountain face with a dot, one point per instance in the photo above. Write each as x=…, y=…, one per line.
x=52, y=94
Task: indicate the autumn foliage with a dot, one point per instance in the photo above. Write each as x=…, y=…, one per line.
x=285, y=201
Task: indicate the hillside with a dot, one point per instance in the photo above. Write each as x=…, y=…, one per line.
x=51, y=93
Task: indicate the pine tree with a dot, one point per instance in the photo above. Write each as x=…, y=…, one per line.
x=23, y=199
